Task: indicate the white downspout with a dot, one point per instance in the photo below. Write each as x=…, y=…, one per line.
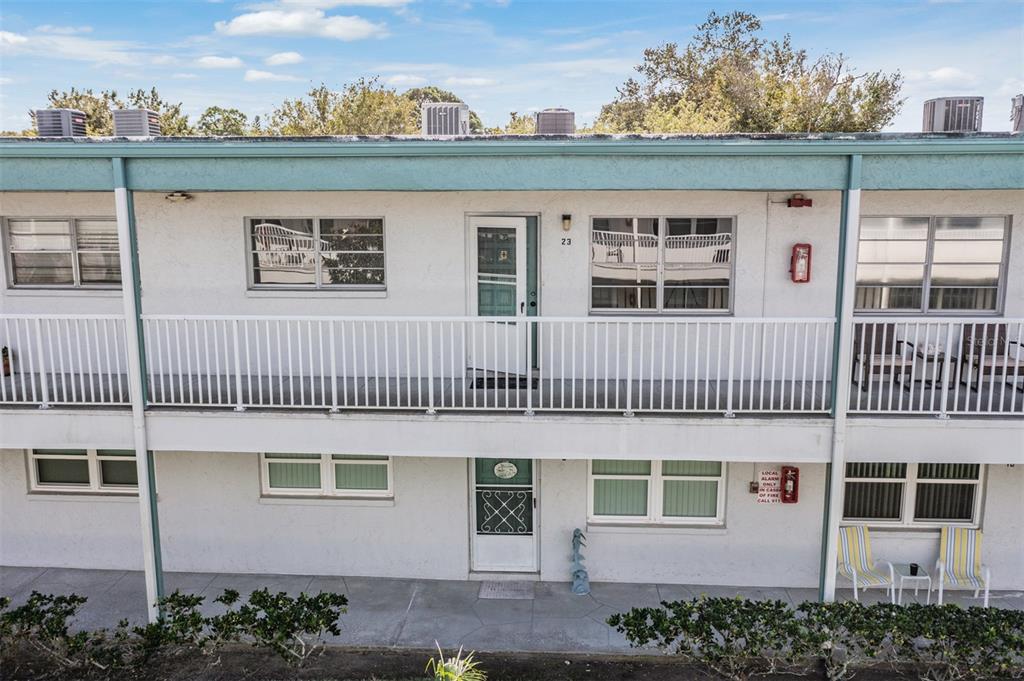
x=130, y=297
x=842, y=378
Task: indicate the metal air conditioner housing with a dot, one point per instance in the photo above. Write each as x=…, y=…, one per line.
x=445, y=118
x=136, y=123
x=556, y=122
x=952, y=114
x=60, y=123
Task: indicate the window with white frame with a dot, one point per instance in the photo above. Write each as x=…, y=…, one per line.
x=83, y=470
x=931, y=264
x=926, y=494
x=62, y=252
x=327, y=253
x=661, y=264
x=328, y=475
x=669, y=492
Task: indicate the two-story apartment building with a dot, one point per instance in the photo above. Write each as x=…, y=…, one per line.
x=436, y=358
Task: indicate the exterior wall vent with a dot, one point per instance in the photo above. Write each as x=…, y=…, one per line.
x=556, y=122
x=953, y=114
x=1017, y=114
x=136, y=123
x=445, y=118
x=60, y=123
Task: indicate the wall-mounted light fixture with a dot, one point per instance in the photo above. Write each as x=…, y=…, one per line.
x=178, y=197
x=799, y=201
x=566, y=222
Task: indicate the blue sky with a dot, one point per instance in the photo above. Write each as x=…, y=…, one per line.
x=499, y=55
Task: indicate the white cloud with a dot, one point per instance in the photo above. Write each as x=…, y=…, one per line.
x=468, y=81
x=309, y=22
x=404, y=80
x=942, y=76
x=284, y=58
x=327, y=4
x=253, y=76
x=164, y=60
x=184, y=76
x=6, y=81
x=213, y=62
x=74, y=48
x=582, y=45
x=63, y=30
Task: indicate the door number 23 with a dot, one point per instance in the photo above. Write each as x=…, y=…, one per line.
x=567, y=241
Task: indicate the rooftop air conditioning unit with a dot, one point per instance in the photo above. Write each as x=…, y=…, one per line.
x=445, y=118
x=1017, y=114
x=556, y=122
x=953, y=114
x=136, y=123
x=60, y=123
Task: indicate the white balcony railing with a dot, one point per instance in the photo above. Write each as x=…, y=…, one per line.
x=594, y=364
x=490, y=363
x=938, y=366
x=64, y=360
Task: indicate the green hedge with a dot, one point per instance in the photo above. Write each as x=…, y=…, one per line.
x=740, y=639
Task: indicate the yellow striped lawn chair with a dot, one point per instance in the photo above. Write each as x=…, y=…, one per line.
x=856, y=564
x=959, y=563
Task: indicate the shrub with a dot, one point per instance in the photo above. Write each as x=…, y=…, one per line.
x=848, y=635
x=457, y=668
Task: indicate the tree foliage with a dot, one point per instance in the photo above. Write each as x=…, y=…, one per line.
x=364, y=107
x=432, y=93
x=518, y=124
x=728, y=79
x=221, y=122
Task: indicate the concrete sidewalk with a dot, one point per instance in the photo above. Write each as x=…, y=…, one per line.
x=414, y=613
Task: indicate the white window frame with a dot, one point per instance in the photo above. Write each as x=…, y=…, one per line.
x=317, y=285
x=655, y=497
x=72, y=221
x=926, y=281
x=95, y=484
x=908, y=500
x=659, y=308
x=327, y=488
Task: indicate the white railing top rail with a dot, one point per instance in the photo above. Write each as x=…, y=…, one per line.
x=908, y=319
x=5, y=315
x=462, y=318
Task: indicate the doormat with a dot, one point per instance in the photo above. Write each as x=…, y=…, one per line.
x=502, y=382
x=520, y=591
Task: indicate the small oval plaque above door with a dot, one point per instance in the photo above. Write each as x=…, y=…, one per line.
x=506, y=470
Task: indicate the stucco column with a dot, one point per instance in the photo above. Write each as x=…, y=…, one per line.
x=841, y=382
x=131, y=298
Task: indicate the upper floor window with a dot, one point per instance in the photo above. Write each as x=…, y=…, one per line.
x=928, y=494
x=316, y=252
x=661, y=264
x=922, y=264
x=62, y=252
x=83, y=470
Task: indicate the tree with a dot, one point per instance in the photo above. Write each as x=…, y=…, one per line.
x=728, y=79
x=432, y=93
x=518, y=124
x=173, y=123
x=222, y=122
x=362, y=108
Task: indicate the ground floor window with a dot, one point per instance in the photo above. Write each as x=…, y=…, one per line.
x=669, y=492
x=83, y=470
x=333, y=475
x=913, y=494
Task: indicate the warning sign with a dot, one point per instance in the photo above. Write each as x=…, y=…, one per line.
x=769, y=489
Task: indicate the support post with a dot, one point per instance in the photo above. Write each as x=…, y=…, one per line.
x=842, y=362
x=134, y=345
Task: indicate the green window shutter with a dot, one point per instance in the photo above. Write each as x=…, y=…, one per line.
x=62, y=471
x=119, y=473
x=115, y=452
x=361, y=476
x=616, y=467
x=304, y=475
x=690, y=499
x=620, y=497
x=706, y=469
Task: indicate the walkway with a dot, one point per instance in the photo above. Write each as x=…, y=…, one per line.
x=414, y=613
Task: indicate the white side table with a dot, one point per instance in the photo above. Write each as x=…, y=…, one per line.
x=922, y=577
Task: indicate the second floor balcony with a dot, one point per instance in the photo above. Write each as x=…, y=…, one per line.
x=600, y=365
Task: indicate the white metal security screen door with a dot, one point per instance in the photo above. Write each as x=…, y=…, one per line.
x=498, y=265
x=503, y=514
